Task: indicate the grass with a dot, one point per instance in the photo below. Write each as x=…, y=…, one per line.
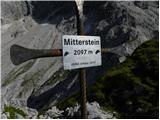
x=13, y=111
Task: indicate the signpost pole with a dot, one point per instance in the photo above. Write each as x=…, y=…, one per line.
x=83, y=90
x=82, y=71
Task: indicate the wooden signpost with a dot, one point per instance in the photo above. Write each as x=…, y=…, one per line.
x=20, y=54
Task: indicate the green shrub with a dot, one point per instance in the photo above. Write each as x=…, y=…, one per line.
x=131, y=88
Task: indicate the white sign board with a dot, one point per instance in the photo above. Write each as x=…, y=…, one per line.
x=81, y=51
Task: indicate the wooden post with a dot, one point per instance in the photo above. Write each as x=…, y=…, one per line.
x=83, y=91
x=82, y=71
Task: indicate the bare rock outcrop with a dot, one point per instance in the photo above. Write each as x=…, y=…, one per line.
x=122, y=26
x=13, y=11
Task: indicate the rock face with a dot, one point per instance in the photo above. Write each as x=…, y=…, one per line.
x=94, y=112
x=12, y=11
x=35, y=77
x=93, y=109
x=123, y=26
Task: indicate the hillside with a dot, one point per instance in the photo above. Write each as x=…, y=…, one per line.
x=132, y=88
x=41, y=83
